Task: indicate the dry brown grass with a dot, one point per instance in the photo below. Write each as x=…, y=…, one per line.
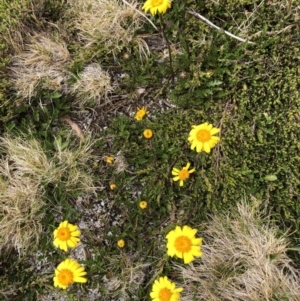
x=67, y=167
x=120, y=163
x=25, y=172
x=108, y=22
x=244, y=260
x=93, y=85
x=42, y=62
x=28, y=158
x=72, y=167
x=20, y=210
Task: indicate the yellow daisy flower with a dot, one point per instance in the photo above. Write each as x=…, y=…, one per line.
x=156, y=6
x=182, y=174
x=121, y=243
x=183, y=243
x=68, y=272
x=201, y=137
x=139, y=115
x=112, y=186
x=148, y=133
x=143, y=204
x=109, y=159
x=66, y=236
x=165, y=290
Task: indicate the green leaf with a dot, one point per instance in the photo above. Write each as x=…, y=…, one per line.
x=270, y=178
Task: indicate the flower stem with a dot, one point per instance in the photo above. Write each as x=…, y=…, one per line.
x=169, y=48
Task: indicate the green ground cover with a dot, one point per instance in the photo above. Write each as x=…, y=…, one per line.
x=73, y=76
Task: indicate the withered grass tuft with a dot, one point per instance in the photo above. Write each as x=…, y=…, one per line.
x=245, y=259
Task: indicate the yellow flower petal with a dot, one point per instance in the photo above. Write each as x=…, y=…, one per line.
x=80, y=279
x=214, y=131
x=175, y=172
x=188, y=258
x=197, y=241
x=63, y=245
x=192, y=170
x=71, y=243
x=198, y=146
x=206, y=147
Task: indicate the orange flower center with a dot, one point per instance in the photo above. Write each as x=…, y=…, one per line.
x=63, y=234
x=164, y=294
x=156, y=2
x=183, y=174
x=203, y=136
x=183, y=244
x=65, y=277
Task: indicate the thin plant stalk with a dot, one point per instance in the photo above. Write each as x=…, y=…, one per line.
x=169, y=48
x=182, y=30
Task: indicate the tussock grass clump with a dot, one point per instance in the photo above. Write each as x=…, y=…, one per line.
x=120, y=163
x=244, y=259
x=20, y=209
x=42, y=62
x=93, y=84
x=25, y=173
x=28, y=158
x=110, y=23
x=67, y=166
x=71, y=164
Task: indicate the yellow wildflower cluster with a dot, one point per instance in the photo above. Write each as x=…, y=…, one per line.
x=68, y=271
x=201, y=138
x=181, y=242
